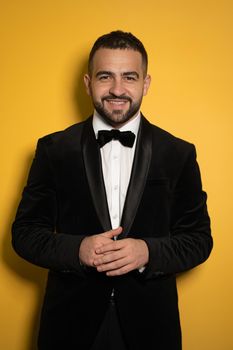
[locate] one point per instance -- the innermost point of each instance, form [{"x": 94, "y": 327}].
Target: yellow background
[{"x": 43, "y": 51}]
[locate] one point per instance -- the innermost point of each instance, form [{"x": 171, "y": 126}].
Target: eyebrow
[{"x": 105, "y": 72}]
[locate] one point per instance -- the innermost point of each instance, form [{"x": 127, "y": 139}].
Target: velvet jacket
[{"x": 65, "y": 200}]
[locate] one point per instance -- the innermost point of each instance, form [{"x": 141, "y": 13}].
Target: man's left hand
[{"x": 122, "y": 256}]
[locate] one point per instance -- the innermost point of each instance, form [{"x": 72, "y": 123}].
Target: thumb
[{"x": 110, "y": 234}]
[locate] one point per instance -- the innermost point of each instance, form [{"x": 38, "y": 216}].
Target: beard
[{"x": 117, "y": 117}]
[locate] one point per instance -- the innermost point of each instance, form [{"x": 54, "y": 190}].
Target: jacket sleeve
[
  {"x": 189, "y": 241},
  {"x": 34, "y": 234}
]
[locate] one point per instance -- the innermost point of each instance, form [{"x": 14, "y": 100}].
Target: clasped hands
[{"x": 113, "y": 257}]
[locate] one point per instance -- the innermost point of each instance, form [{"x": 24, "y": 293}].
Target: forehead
[{"x": 122, "y": 60}]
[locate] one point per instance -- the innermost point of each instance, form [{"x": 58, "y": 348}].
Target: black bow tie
[{"x": 126, "y": 138}]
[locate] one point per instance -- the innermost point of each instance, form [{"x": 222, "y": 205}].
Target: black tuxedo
[{"x": 65, "y": 200}]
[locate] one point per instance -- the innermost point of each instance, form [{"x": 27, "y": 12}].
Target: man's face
[{"x": 117, "y": 84}]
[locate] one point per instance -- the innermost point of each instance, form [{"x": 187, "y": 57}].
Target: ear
[
  {"x": 87, "y": 82},
  {"x": 147, "y": 81}
]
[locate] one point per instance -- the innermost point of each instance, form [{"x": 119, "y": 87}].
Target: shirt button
[
  {"x": 115, "y": 187},
  {"x": 115, "y": 216},
  {"x": 115, "y": 156}
]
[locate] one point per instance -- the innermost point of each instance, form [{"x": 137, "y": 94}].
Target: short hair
[{"x": 118, "y": 40}]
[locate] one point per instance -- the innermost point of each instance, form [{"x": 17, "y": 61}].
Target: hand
[
  {"x": 122, "y": 256},
  {"x": 87, "y": 250}
]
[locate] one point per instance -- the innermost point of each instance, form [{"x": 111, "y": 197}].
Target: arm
[
  {"x": 33, "y": 231},
  {"x": 189, "y": 242}
]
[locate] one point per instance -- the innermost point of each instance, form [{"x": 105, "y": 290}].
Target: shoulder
[
  {"x": 72, "y": 134},
  {"x": 164, "y": 140}
]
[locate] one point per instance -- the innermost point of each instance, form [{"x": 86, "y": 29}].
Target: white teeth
[{"x": 117, "y": 102}]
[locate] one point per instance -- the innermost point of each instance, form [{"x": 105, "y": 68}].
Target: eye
[
  {"x": 130, "y": 78},
  {"x": 104, "y": 77}
]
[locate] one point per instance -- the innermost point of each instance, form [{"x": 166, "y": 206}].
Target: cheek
[
  {"x": 137, "y": 91},
  {"x": 133, "y": 92},
  {"x": 98, "y": 91},
  {"x": 138, "y": 94}
]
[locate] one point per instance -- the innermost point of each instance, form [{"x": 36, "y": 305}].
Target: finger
[
  {"x": 108, "y": 257},
  {"x": 121, "y": 271},
  {"x": 109, "y": 247},
  {"x": 113, "y": 265},
  {"x": 110, "y": 234}
]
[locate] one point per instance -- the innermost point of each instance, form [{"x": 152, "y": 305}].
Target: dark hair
[{"x": 118, "y": 40}]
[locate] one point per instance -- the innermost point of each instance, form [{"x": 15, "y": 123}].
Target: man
[{"x": 114, "y": 208}]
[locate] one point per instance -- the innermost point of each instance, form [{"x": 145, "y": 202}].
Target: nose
[{"x": 117, "y": 87}]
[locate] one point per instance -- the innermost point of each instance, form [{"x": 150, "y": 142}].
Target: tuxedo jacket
[{"x": 65, "y": 200}]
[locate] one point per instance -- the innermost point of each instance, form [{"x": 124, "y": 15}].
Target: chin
[{"x": 117, "y": 119}]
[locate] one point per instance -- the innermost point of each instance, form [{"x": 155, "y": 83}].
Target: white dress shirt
[{"x": 117, "y": 161}]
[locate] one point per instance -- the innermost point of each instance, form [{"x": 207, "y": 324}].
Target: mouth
[{"x": 117, "y": 102}]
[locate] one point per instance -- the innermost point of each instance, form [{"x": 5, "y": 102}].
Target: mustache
[{"x": 114, "y": 97}]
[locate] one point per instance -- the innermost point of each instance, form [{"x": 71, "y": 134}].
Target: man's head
[
  {"x": 119, "y": 40},
  {"x": 117, "y": 76}
]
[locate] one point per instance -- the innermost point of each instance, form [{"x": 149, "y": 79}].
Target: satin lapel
[
  {"x": 138, "y": 178},
  {"x": 92, "y": 163}
]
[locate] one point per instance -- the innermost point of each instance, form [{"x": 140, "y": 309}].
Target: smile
[{"x": 117, "y": 102}]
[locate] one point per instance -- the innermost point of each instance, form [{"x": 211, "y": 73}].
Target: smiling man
[
  {"x": 117, "y": 81},
  {"x": 114, "y": 208}
]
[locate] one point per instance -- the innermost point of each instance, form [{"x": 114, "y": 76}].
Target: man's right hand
[{"x": 87, "y": 250}]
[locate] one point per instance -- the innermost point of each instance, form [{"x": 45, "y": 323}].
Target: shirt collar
[{"x": 100, "y": 124}]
